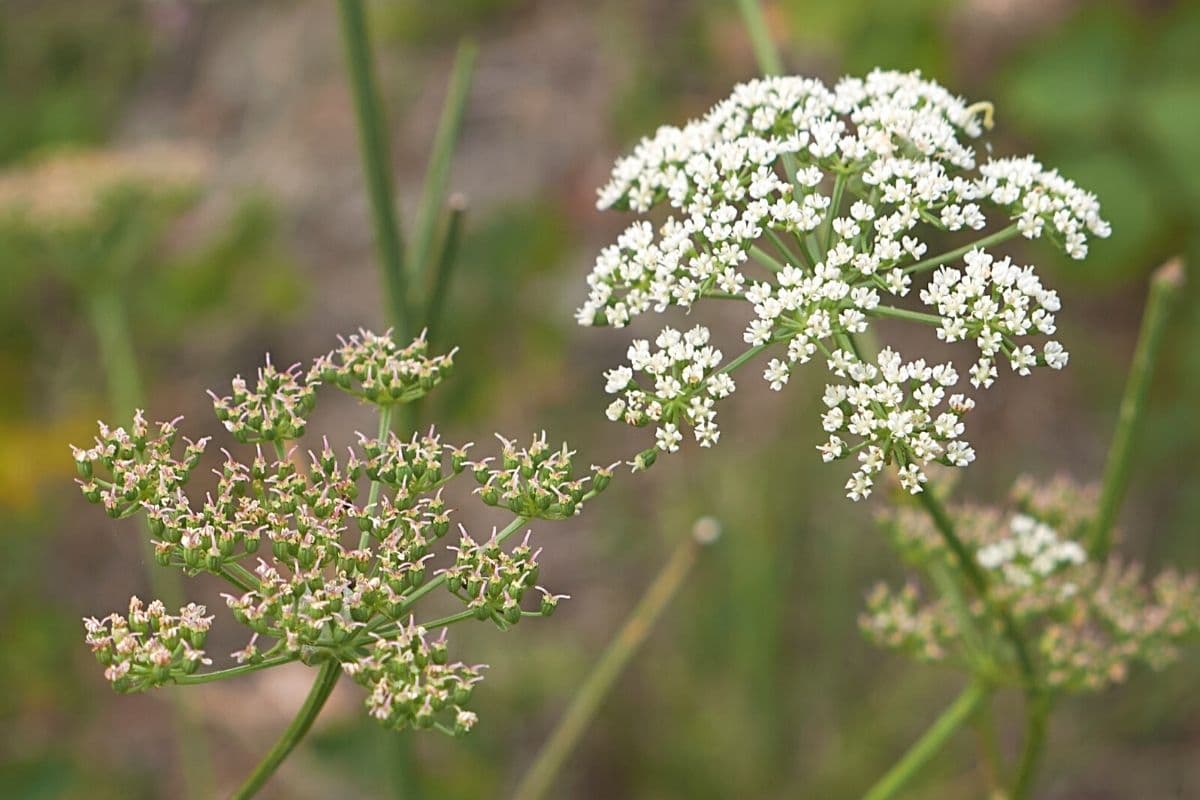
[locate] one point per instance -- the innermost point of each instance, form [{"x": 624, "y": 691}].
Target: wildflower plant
[
  {"x": 816, "y": 207},
  {"x": 818, "y": 210},
  {"x": 327, "y": 552}
]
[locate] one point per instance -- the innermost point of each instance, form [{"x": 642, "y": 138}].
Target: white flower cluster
[
  {"x": 892, "y": 408},
  {"x": 686, "y": 386},
  {"x": 813, "y": 204},
  {"x": 1034, "y": 551},
  {"x": 993, "y": 301}
]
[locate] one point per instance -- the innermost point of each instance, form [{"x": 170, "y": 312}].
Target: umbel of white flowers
[{"x": 816, "y": 207}]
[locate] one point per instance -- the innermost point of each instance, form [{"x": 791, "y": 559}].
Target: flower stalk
[
  {"x": 322, "y": 688},
  {"x": 1165, "y": 286},
  {"x": 554, "y": 752}
]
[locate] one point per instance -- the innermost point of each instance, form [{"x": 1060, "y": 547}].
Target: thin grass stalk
[
  {"x": 930, "y": 744},
  {"x": 444, "y": 266},
  {"x": 765, "y": 51},
  {"x": 437, "y": 174},
  {"x": 377, "y": 171},
  {"x": 554, "y": 753}
]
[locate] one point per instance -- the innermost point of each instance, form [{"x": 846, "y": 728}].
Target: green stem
[
  {"x": 1037, "y": 712},
  {"x": 385, "y": 425},
  {"x": 377, "y": 169},
  {"x": 928, "y": 746},
  {"x": 987, "y": 241},
  {"x": 835, "y": 204},
  {"x": 437, "y": 174},
  {"x": 428, "y": 587},
  {"x": 765, "y": 51},
  {"x": 978, "y": 580},
  {"x": 327, "y": 678},
  {"x": 904, "y": 313},
  {"x": 444, "y": 266},
  {"x": 233, "y": 672},
  {"x": 1164, "y": 286},
  {"x": 766, "y": 259},
  {"x": 549, "y": 761},
  {"x": 239, "y": 576},
  {"x": 744, "y": 357}
]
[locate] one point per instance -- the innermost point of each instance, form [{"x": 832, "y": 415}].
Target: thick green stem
[
  {"x": 554, "y": 752},
  {"x": 1164, "y": 286},
  {"x": 377, "y": 171},
  {"x": 327, "y": 678},
  {"x": 1037, "y": 713},
  {"x": 928, "y": 746}
]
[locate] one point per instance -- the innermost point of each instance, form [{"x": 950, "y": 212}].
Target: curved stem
[
  {"x": 921, "y": 753},
  {"x": 233, "y": 672},
  {"x": 327, "y": 678},
  {"x": 546, "y": 765},
  {"x": 1164, "y": 286}
]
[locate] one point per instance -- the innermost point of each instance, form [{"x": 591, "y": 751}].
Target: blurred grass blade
[
  {"x": 765, "y": 51},
  {"x": 456, "y": 209},
  {"x": 437, "y": 175},
  {"x": 550, "y": 759},
  {"x": 1164, "y": 286},
  {"x": 377, "y": 172}
]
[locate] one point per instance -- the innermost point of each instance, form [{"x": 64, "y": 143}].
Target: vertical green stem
[
  {"x": 124, "y": 380},
  {"x": 1164, "y": 286},
  {"x": 444, "y": 267},
  {"x": 928, "y": 746},
  {"x": 1037, "y": 713},
  {"x": 765, "y": 51},
  {"x": 550, "y": 759},
  {"x": 377, "y": 170},
  {"x": 437, "y": 174},
  {"x": 327, "y": 678},
  {"x": 385, "y": 425}
]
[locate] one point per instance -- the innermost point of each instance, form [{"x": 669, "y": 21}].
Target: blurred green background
[{"x": 242, "y": 227}]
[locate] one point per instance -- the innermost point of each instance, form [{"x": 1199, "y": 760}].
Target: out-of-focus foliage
[{"x": 65, "y": 68}]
